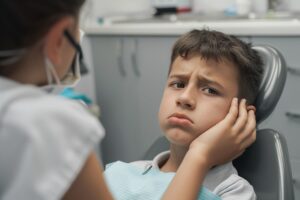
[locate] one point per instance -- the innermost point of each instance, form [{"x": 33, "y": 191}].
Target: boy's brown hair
[{"x": 217, "y": 46}]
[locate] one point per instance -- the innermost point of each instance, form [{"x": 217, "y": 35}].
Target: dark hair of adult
[
  {"x": 217, "y": 46},
  {"x": 24, "y": 22}
]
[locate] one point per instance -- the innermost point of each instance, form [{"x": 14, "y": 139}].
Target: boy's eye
[
  {"x": 211, "y": 91},
  {"x": 178, "y": 84}
]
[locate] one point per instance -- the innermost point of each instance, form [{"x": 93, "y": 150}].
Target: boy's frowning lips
[{"x": 180, "y": 118}]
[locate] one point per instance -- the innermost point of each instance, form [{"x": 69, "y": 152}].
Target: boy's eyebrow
[
  {"x": 202, "y": 79},
  {"x": 181, "y": 76}
]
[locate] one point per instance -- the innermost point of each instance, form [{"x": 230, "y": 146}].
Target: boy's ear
[{"x": 55, "y": 40}]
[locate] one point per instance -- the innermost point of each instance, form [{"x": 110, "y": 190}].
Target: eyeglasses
[{"x": 83, "y": 67}]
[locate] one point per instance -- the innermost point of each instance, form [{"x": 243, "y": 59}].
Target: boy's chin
[{"x": 180, "y": 138}]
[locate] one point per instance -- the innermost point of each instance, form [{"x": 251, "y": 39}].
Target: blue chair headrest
[{"x": 272, "y": 83}]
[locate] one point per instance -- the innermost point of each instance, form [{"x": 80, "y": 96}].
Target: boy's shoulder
[
  {"x": 225, "y": 182},
  {"x": 218, "y": 175},
  {"x": 235, "y": 186}
]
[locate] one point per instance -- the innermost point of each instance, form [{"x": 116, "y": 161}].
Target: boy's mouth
[{"x": 178, "y": 118}]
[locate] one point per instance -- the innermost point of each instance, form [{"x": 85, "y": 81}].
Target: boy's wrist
[{"x": 198, "y": 158}]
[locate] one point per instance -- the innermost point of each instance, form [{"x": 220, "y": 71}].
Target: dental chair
[{"x": 266, "y": 163}]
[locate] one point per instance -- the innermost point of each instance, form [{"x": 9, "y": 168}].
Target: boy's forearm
[{"x": 187, "y": 182}]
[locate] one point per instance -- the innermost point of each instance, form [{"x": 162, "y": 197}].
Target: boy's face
[{"x": 198, "y": 95}]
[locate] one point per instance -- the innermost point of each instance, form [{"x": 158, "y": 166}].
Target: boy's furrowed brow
[
  {"x": 206, "y": 80},
  {"x": 201, "y": 79},
  {"x": 180, "y": 76}
]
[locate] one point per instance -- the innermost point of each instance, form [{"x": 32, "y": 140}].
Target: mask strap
[
  {"x": 8, "y": 57},
  {"x": 50, "y": 72},
  {"x": 10, "y": 53}
]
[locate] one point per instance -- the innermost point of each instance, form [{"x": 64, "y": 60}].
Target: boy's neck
[{"x": 177, "y": 154}]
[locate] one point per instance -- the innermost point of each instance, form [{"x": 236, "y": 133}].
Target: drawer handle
[
  {"x": 293, "y": 115},
  {"x": 121, "y": 66},
  {"x": 134, "y": 65},
  {"x": 134, "y": 57},
  {"x": 293, "y": 70},
  {"x": 120, "y": 50}
]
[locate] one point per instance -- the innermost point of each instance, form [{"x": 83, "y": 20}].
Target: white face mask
[{"x": 72, "y": 77}]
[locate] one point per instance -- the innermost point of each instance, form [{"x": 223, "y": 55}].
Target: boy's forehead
[
  {"x": 222, "y": 71},
  {"x": 198, "y": 62}
]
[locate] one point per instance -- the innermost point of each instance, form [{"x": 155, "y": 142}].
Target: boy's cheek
[
  {"x": 162, "y": 112},
  {"x": 205, "y": 126},
  {"x": 211, "y": 119},
  {"x": 165, "y": 104}
]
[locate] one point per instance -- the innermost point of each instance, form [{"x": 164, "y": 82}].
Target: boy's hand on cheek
[{"x": 227, "y": 139}]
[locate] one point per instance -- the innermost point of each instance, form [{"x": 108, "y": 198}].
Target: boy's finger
[
  {"x": 233, "y": 112},
  {"x": 251, "y": 123},
  {"x": 251, "y": 107},
  {"x": 249, "y": 140},
  {"x": 242, "y": 118},
  {"x": 249, "y": 128},
  {"x": 239, "y": 154}
]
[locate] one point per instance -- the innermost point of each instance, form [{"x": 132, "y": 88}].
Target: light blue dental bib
[{"x": 129, "y": 182}]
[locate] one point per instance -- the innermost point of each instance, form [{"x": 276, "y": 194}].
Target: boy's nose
[{"x": 186, "y": 100}]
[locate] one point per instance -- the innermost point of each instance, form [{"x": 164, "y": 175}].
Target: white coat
[{"x": 44, "y": 142}]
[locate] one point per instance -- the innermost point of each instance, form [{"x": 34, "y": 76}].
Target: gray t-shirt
[{"x": 222, "y": 180}]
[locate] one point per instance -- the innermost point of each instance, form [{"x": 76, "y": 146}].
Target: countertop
[{"x": 247, "y": 27}]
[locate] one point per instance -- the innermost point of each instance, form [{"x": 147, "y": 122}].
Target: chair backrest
[
  {"x": 272, "y": 83},
  {"x": 266, "y": 163},
  {"x": 266, "y": 166},
  {"x": 160, "y": 144}
]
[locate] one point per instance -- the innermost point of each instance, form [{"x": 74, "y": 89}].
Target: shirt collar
[{"x": 157, "y": 161}]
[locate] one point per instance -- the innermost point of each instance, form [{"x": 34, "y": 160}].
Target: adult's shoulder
[
  {"x": 38, "y": 112},
  {"x": 39, "y": 104},
  {"x": 39, "y": 107}
]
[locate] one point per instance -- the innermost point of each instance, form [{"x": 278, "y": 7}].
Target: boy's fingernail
[
  {"x": 254, "y": 110},
  {"x": 251, "y": 107}
]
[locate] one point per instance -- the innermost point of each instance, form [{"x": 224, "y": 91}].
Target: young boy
[{"x": 208, "y": 69}]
